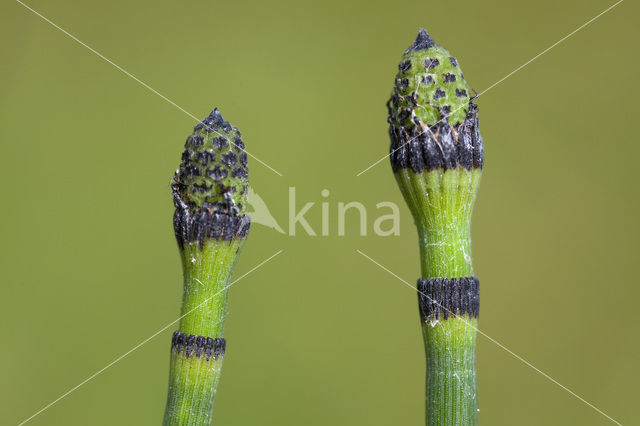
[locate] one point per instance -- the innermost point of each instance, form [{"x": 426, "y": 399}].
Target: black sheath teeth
[
  {"x": 199, "y": 345},
  {"x": 440, "y": 146},
  {"x": 202, "y": 225},
  {"x": 192, "y": 345},
  {"x": 440, "y": 298}
]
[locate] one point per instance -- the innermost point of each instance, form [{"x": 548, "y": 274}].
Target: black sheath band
[
  {"x": 444, "y": 297},
  {"x": 191, "y": 344},
  {"x": 438, "y": 147},
  {"x": 202, "y": 225}
]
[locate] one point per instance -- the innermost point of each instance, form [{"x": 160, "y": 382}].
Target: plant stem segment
[
  {"x": 437, "y": 157},
  {"x": 441, "y": 202},
  {"x": 206, "y": 285},
  {"x": 195, "y": 367},
  {"x": 451, "y": 377},
  {"x": 210, "y": 192}
]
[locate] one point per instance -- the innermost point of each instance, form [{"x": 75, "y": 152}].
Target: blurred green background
[{"x": 319, "y": 335}]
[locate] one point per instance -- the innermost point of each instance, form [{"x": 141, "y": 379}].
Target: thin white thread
[
  {"x": 527, "y": 363},
  {"x": 502, "y": 79},
  {"x": 127, "y": 73},
  {"x": 549, "y": 48},
  {"x": 143, "y": 342}
]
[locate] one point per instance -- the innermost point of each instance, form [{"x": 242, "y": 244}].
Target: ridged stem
[
  {"x": 193, "y": 377},
  {"x": 206, "y": 279},
  {"x": 441, "y": 203},
  {"x": 451, "y": 389},
  {"x": 192, "y": 388}
]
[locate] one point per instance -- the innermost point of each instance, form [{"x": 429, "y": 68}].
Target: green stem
[
  {"x": 444, "y": 228},
  {"x": 451, "y": 397},
  {"x": 441, "y": 203},
  {"x": 192, "y": 388},
  {"x": 193, "y": 378},
  {"x": 206, "y": 285}
]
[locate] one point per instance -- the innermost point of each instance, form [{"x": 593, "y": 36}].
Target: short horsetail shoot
[
  {"x": 437, "y": 156},
  {"x": 211, "y": 224}
]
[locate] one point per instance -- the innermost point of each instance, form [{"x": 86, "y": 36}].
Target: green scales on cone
[{"x": 211, "y": 187}]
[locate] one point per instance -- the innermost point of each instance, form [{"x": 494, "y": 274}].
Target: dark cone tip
[
  {"x": 423, "y": 41},
  {"x": 214, "y": 121}
]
